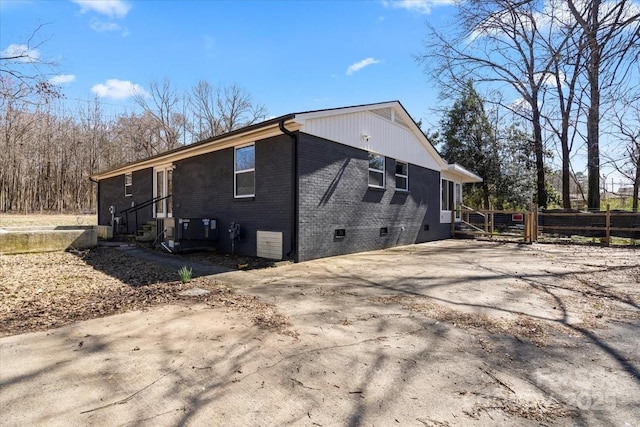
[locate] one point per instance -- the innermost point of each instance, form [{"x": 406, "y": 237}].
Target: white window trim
[
  {"x": 444, "y": 204},
  {"x": 383, "y": 171},
  {"x": 406, "y": 177},
  {"x": 236, "y": 172},
  {"x": 163, "y": 168},
  {"x": 445, "y": 211},
  {"x": 128, "y": 192}
]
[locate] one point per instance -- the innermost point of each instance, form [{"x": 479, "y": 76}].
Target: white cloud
[
  {"x": 420, "y": 6},
  {"x": 360, "y": 65},
  {"x": 101, "y": 26},
  {"x": 549, "y": 79},
  {"x": 62, "y": 79},
  {"x": 118, "y": 89},
  {"x": 111, "y": 8},
  {"x": 519, "y": 105},
  {"x": 20, "y": 53}
]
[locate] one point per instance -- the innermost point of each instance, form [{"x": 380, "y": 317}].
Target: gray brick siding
[
  {"x": 112, "y": 193},
  {"x": 334, "y": 194},
  {"x": 203, "y": 188}
]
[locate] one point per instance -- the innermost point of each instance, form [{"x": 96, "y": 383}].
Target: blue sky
[{"x": 290, "y": 55}]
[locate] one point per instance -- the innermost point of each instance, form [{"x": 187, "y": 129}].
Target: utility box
[{"x": 192, "y": 234}]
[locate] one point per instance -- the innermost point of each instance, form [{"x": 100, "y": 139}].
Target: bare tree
[
  {"x": 626, "y": 133},
  {"x": 499, "y": 43},
  {"x": 162, "y": 105},
  {"x": 220, "y": 110},
  {"x": 23, "y": 72},
  {"x": 612, "y": 33}
]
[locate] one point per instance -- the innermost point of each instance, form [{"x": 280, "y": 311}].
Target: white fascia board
[
  {"x": 343, "y": 110},
  {"x": 398, "y": 109},
  {"x": 198, "y": 149},
  {"x": 458, "y": 173}
]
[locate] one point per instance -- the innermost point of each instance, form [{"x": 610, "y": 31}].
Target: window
[
  {"x": 402, "y": 176},
  {"x": 339, "y": 233},
  {"x": 245, "y": 172},
  {"x": 162, "y": 191},
  {"x": 128, "y": 183},
  {"x": 458, "y": 200},
  {"x": 376, "y": 170},
  {"x": 384, "y": 231},
  {"x": 451, "y": 195},
  {"x": 444, "y": 200}
]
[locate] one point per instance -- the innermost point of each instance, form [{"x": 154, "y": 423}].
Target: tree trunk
[
  {"x": 541, "y": 189},
  {"x": 636, "y": 184}
]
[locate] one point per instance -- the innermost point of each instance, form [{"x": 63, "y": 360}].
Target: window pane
[
  {"x": 376, "y": 162},
  {"x": 245, "y": 184},
  {"x": 401, "y": 168},
  {"x": 401, "y": 183},
  {"x": 444, "y": 203},
  {"x": 451, "y": 195},
  {"x": 128, "y": 179},
  {"x": 160, "y": 191},
  {"x": 376, "y": 179},
  {"x": 245, "y": 158}
]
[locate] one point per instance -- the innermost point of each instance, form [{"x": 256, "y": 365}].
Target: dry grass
[
  {"x": 43, "y": 291},
  {"x": 18, "y": 220}
]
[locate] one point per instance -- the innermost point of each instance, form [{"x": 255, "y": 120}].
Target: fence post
[
  {"x": 535, "y": 222},
  {"x": 453, "y": 221},
  {"x": 607, "y": 239}
]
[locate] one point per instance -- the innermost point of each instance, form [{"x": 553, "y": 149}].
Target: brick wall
[
  {"x": 334, "y": 194},
  {"x": 203, "y": 188},
  {"x": 112, "y": 193}
]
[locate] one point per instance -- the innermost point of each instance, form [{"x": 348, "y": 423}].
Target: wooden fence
[{"x": 530, "y": 226}]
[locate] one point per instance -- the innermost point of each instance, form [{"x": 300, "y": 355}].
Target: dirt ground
[{"x": 437, "y": 334}]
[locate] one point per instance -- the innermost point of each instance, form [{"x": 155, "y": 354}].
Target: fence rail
[{"x": 529, "y": 226}]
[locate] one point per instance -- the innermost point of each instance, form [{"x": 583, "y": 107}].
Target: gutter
[{"x": 294, "y": 188}]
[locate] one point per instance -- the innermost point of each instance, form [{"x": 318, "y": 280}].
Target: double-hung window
[
  {"x": 402, "y": 176},
  {"x": 128, "y": 184},
  {"x": 245, "y": 171},
  {"x": 376, "y": 170}
]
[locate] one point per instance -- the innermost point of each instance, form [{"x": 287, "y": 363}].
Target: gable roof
[{"x": 385, "y": 128}]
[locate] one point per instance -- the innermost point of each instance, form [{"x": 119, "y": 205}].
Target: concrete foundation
[{"x": 17, "y": 240}]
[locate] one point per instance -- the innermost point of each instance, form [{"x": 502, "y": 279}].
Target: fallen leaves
[{"x": 48, "y": 290}]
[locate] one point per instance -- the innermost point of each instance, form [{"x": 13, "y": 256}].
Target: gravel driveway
[{"x": 443, "y": 333}]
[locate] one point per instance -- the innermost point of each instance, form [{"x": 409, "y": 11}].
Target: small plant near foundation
[{"x": 185, "y": 274}]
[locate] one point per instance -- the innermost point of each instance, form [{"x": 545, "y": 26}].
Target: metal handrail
[
  {"x": 144, "y": 204},
  {"x": 136, "y": 208}
]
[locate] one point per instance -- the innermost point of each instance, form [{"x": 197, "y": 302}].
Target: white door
[{"x": 163, "y": 191}]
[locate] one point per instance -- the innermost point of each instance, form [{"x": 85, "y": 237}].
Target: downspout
[
  {"x": 294, "y": 188},
  {"x": 97, "y": 196}
]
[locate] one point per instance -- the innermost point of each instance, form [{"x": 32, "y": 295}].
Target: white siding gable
[{"x": 369, "y": 130}]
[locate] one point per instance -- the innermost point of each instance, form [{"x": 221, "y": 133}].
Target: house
[{"x": 300, "y": 186}]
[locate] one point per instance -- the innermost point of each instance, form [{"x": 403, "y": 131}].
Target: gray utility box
[{"x": 195, "y": 234}]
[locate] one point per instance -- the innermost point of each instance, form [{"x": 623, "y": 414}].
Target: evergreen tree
[{"x": 469, "y": 139}]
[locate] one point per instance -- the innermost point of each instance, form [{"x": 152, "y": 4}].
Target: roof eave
[
  {"x": 200, "y": 146},
  {"x": 466, "y": 176}
]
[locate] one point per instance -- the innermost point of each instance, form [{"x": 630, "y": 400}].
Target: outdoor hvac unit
[{"x": 195, "y": 234}]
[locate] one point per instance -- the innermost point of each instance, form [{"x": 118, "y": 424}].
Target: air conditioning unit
[{"x": 192, "y": 234}]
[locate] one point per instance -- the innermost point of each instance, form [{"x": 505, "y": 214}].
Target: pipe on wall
[{"x": 294, "y": 188}]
